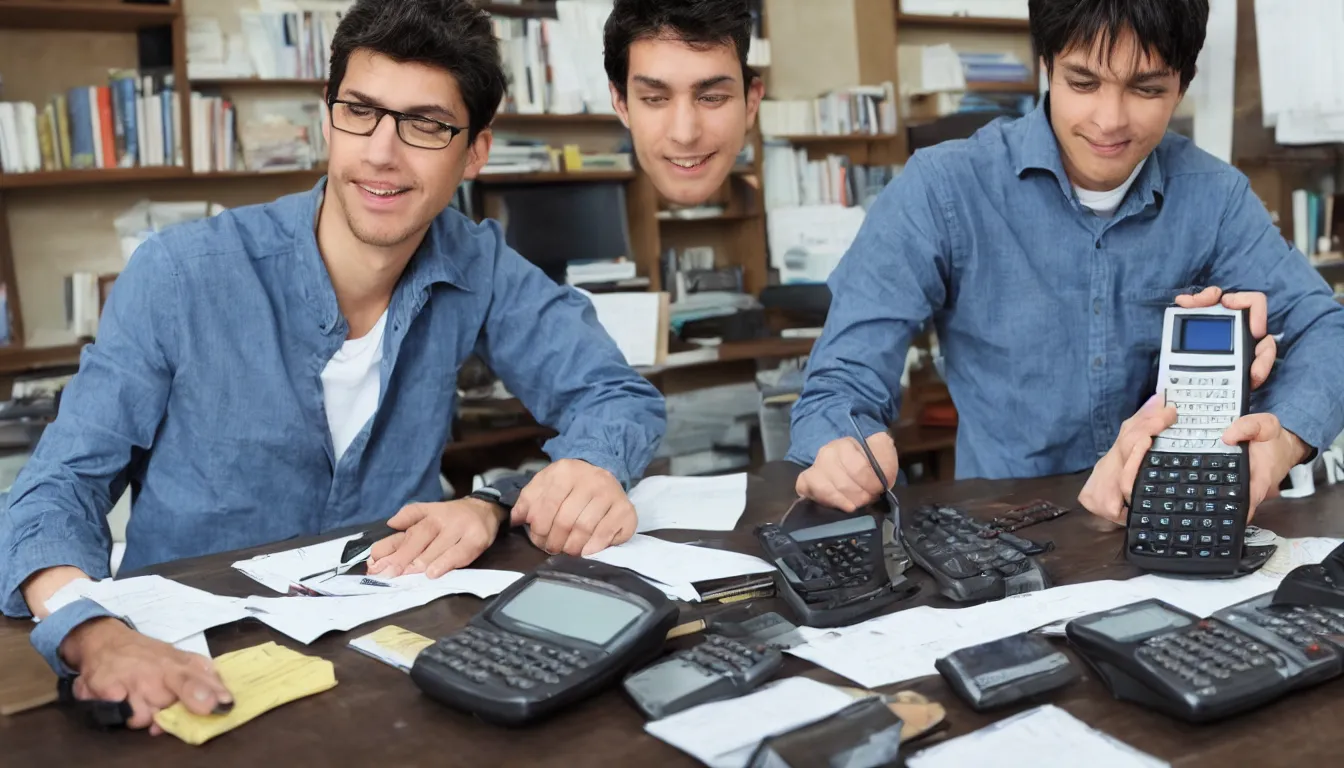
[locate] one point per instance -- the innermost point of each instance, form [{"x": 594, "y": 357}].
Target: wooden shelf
[
  {"x": 473, "y": 441},
  {"x": 90, "y": 16},
  {"x": 821, "y": 138},
  {"x": 318, "y": 171},
  {"x": 554, "y": 177},
  {"x": 255, "y": 82},
  {"x": 584, "y": 118},
  {"x": 90, "y": 176},
  {"x": 20, "y": 359},
  {"x": 525, "y": 9},
  {"x": 989, "y": 86},
  {"x": 962, "y": 22}
]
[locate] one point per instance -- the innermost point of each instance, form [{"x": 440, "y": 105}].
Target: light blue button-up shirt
[
  {"x": 1048, "y": 316},
  {"x": 204, "y": 393}
]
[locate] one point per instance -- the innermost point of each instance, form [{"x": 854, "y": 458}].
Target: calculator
[
  {"x": 832, "y": 574},
  {"x": 1197, "y": 670},
  {"x": 554, "y": 637},
  {"x": 1313, "y": 631},
  {"x": 1188, "y": 507},
  {"x": 717, "y": 668},
  {"x": 971, "y": 560}
]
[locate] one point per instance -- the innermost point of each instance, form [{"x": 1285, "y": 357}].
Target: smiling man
[
  {"x": 679, "y": 80},
  {"x": 290, "y": 368},
  {"x": 1045, "y": 250}
]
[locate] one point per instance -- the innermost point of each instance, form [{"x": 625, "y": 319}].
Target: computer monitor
[{"x": 554, "y": 224}]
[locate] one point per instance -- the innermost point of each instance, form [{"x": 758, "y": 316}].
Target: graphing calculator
[
  {"x": 1198, "y": 670},
  {"x": 554, "y": 637},
  {"x": 1187, "y": 511}
]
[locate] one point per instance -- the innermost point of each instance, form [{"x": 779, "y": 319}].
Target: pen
[{"x": 872, "y": 462}]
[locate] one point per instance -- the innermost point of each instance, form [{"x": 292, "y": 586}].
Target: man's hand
[
  {"x": 1267, "y": 349},
  {"x": 1273, "y": 451},
  {"x": 574, "y": 507},
  {"x": 842, "y": 478},
  {"x": 436, "y": 538},
  {"x": 1107, "y": 491},
  {"x": 117, "y": 663}
]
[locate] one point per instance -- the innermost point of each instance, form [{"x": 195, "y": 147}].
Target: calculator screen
[
  {"x": 570, "y": 611},
  {"x": 1130, "y": 625},
  {"x": 1206, "y": 334}
]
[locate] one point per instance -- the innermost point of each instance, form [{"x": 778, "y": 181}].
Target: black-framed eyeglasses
[{"x": 416, "y": 130}]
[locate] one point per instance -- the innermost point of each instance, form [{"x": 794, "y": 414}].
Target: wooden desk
[{"x": 376, "y": 716}]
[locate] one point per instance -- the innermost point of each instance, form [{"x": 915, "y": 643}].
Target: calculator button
[
  {"x": 1181, "y": 552},
  {"x": 1186, "y": 523},
  {"x": 1232, "y": 463},
  {"x": 1154, "y": 460},
  {"x": 1205, "y": 539},
  {"x": 1230, "y": 492},
  {"x": 1213, "y": 477},
  {"x": 1189, "y": 506},
  {"x": 1189, "y": 491},
  {"x": 1210, "y": 491},
  {"x": 1168, "y": 505},
  {"x": 1152, "y": 475},
  {"x": 1162, "y": 537},
  {"x": 1231, "y": 477},
  {"x": 1171, "y": 476},
  {"x": 1214, "y": 462},
  {"x": 1203, "y": 553},
  {"x": 1169, "y": 490},
  {"x": 1146, "y": 521},
  {"x": 1185, "y": 538},
  {"x": 1206, "y": 523},
  {"x": 1163, "y": 521}
]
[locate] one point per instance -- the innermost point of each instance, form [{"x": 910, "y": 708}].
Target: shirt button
[
  {"x": 1096, "y": 306},
  {"x": 1096, "y": 362},
  {"x": 1098, "y": 245}
]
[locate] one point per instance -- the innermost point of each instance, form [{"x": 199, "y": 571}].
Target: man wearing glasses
[{"x": 290, "y": 368}]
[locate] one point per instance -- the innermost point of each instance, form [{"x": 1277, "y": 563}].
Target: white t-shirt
[
  {"x": 351, "y": 385},
  {"x": 1105, "y": 204}
]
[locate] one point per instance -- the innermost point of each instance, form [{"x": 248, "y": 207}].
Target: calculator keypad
[
  {"x": 1300, "y": 625},
  {"x": 489, "y": 657},
  {"x": 849, "y": 561},
  {"x": 962, "y": 547},
  {"x": 1206, "y": 405},
  {"x": 1188, "y": 506},
  {"x": 1208, "y": 655},
  {"x": 719, "y": 654}
]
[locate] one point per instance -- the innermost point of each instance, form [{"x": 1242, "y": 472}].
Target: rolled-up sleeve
[
  {"x": 888, "y": 284},
  {"x": 1306, "y": 388},
  {"x": 56, "y": 512},
  {"x": 544, "y": 342}
]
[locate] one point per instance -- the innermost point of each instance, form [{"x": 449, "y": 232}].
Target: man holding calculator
[{"x": 1045, "y": 251}]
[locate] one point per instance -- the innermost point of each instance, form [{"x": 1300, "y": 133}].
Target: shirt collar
[
  {"x": 1038, "y": 149},
  {"x": 431, "y": 264}
]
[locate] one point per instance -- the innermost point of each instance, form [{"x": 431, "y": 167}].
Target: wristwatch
[{"x": 504, "y": 492}]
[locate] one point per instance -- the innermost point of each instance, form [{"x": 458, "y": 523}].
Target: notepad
[
  {"x": 260, "y": 678},
  {"x": 392, "y": 645}
]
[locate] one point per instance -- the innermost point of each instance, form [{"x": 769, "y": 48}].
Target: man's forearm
[{"x": 40, "y": 587}]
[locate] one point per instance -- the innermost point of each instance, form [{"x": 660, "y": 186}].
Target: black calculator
[
  {"x": 832, "y": 574},
  {"x": 554, "y": 637},
  {"x": 971, "y": 560},
  {"x": 717, "y": 668},
  {"x": 1312, "y": 631},
  {"x": 1188, "y": 507},
  {"x": 1197, "y": 670}
]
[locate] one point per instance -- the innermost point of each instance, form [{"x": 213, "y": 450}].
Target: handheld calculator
[
  {"x": 717, "y": 668},
  {"x": 554, "y": 637},
  {"x": 1188, "y": 507},
  {"x": 1197, "y": 670}
]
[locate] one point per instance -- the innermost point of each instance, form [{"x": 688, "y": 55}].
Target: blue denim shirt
[
  {"x": 203, "y": 392},
  {"x": 1048, "y": 316}
]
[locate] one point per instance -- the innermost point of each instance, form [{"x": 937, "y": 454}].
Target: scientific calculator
[{"x": 715, "y": 669}]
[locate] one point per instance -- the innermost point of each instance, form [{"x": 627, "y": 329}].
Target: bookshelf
[
  {"x": 86, "y": 16},
  {"x": 960, "y": 22},
  {"x": 83, "y": 177}
]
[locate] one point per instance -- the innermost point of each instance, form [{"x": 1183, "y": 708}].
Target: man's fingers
[
  {"x": 415, "y": 541},
  {"x": 1258, "y": 305},
  {"x": 142, "y": 712},
  {"x": 565, "y": 519},
  {"x": 1130, "y": 472},
  {"x": 460, "y": 555},
  {"x": 408, "y": 515},
  {"x": 585, "y": 525},
  {"x": 856, "y": 466},
  {"x": 1265, "y": 353},
  {"x": 1253, "y": 428},
  {"x": 447, "y": 539},
  {"x": 385, "y": 547},
  {"x": 604, "y": 535},
  {"x": 824, "y": 492},
  {"x": 1205, "y": 298}
]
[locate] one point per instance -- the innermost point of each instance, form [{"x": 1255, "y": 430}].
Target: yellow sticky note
[
  {"x": 573, "y": 158},
  {"x": 260, "y": 678},
  {"x": 392, "y": 645}
]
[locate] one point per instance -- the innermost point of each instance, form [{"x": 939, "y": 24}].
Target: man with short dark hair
[
  {"x": 1045, "y": 250},
  {"x": 290, "y": 368},
  {"x": 680, "y": 82}
]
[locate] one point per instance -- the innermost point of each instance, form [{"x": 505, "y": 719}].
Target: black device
[
  {"x": 865, "y": 734},
  {"x": 1028, "y": 514},
  {"x": 554, "y": 637},
  {"x": 831, "y": 574},
  {"x": 1006, "y": 670},
  {"x": 1319, "y": 585},
  {"x": 1307, "y": 629},
  {"x": 355, "y": 553},
  {"x": 717, "y": 668},
  {"x": 1197, "y": 670},
  {"x": 554, "y": 224},
  {"x": 100, "y": 714},
  {"x": 971, "y": 560},
  {"x": 1188, "y": 508}
]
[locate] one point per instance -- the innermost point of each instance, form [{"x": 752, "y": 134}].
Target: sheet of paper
[
  {"x": 723, "y": 734},
  {"x": 1044, "y": 737},
  {"x": 633, "y": 321},
  {"x": 306, "y": 618},
  {"x": 690, "y": 503},
  {"x": 194, "y": 644},
  {"x": 160, "y": 608},
  {"x": 679, "y": 564},
  {"x": 941, "y": 69},
  {"x": 392, "y": 645},
  {"x": 481, "y": 582},
  {"x": 280, "y": 570},
  {"x": 260, "y": 678}
]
